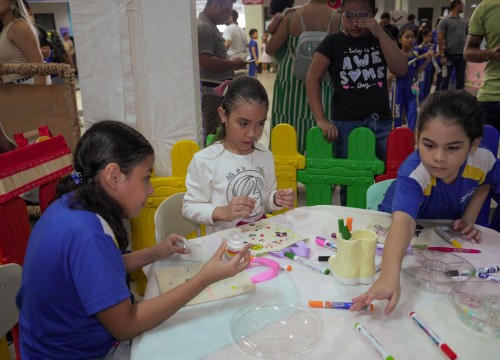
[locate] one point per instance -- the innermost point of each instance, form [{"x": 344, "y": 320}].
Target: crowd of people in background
[{"x": 23, "y": 40}]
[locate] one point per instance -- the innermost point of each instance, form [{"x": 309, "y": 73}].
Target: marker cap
[
  {"x": 320, "y": 241},
  {"x": 315, "y": 304},
  {"x": 456, "y": 244},
  {"x": 446, "y": 349},
  {"x": 289, "y": 255}
]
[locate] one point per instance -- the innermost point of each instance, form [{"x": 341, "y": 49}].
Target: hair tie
[{"x": 77, "y": 177}]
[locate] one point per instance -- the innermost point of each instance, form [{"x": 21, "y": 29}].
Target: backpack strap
[
  {"x": 302, "y": 24},
  {"x": 334, "y": 22}
]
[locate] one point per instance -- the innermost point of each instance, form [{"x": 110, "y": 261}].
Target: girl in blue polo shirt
[
  {"x": 74, "y": 301},
  {"x": 448, "y": 177}
]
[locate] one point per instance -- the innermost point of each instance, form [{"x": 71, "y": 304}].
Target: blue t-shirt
[
  {"x": 422, "y": 196},
  {"x": 73, "y": 269},
  {"x": 253, "y": 44}
]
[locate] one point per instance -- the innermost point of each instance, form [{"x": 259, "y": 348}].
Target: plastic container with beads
[{"x": 234, "y": 244}]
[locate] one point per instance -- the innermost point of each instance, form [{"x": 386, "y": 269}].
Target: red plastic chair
[{"x": 400, "y": 144}]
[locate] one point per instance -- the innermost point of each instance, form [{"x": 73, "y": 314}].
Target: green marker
[
  {"x": 307, "y": 263},
  {"x": 373, "y": 342},
  {"x": 341, "y": 225},
  {"x": 347, "y": 233}
]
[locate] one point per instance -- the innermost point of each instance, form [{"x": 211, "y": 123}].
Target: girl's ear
[
  {"x": 474, "y": 145},
  {"x": 222, "y": 114},
  {"x": 111, "y": 175}
]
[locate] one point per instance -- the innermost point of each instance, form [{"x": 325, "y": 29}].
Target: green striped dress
[{"x": 289, "y": 98}]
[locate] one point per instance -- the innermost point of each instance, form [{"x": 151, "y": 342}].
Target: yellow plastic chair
[
  {"x": 169, "y": 219},
  {"x": 142, "y": 228},
  {"x": 287, "y": 160},
  {"x": 376, "y": 193},
  {"x": 10, "y": 282}
]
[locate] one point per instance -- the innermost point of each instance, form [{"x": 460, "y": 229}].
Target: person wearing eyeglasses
[{"x": 357, "y": 59}]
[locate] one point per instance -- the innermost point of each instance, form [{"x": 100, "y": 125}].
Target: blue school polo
[
  {"x": 73, "y": 269},
  {"x": 420, "y": 195}
]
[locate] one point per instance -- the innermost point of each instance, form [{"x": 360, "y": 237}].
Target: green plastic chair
[
  {"x": 323, "y": 170},
  {"x": 376, "y": 193}
]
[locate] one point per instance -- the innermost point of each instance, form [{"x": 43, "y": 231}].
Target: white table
[{"x": 203, "y": 331}]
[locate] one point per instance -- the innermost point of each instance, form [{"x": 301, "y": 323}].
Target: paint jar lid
[
  {"x": 275, "y": 331},
  {"x": 477, "y": 305},
  {"x": 428, "y": 270}
]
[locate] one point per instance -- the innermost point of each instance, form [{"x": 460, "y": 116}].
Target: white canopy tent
[{"x": 138, "y": 63}]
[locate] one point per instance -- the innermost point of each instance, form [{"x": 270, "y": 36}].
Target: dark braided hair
[{"x": 103, "y": 143}]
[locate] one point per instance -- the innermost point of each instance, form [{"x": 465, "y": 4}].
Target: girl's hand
[
  {"x": 367, "y": 23},
  {"x": 218, "y": 268},
  {"x": 168, "y": 246},
  {"x": 466, "y": 227},
  {"x": 285, "y": 197},
  {"x": 239, "y": 207},
  {"x": 330, "y": 131},
  {"x": 382, "y": 289}
]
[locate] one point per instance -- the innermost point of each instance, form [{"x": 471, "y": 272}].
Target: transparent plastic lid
[
  {"x": 429, "y": 270},
  {"x": 275, "y": 331},
  {"x": 477, "y": 305}
]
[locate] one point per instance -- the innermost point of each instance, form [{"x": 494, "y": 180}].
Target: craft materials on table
[
  {"x": 172, "y": 276},
  {"x": 488, "y": 277},
  {"x": 427, "y": 270},
  {"x": 488, "y": 270},
  {"x": 234, "y": 244},
  {"x": 265, "y": 236},
  {"x": 344, "y": 230},
  {"x": 380, "y": 249},
  {"x": 336, "y": 305},
  {"x": 433, "y": 336},
  {"x": 444, "y": 232},
  {"x": 307, "y": 263},
  {"x": 326, "y": 243},
  {"x": 373, "y": 342},
  {"x": 446, "y": 249}
]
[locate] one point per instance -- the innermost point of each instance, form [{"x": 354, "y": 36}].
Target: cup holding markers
[{"x": 355, "y": 259}]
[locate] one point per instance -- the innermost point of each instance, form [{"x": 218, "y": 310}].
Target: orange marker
[
  {"x": 336, "y": 305},
  {"x": 349, "y": 223}
]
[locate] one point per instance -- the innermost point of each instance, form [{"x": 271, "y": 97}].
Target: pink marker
[{"x": 326, "y": 243}]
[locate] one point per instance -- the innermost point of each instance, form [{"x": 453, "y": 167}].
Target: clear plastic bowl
[
  {"x": 275, "y": 331},
  {"x": 427, "y": 270},
  {"x": 477, "y": 304}
]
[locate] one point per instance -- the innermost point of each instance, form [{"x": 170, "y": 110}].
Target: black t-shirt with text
[{"x": 359, "y": 75}]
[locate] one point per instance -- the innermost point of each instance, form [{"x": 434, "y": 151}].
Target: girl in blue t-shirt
[
  {"x": 427, "y": 75},
  {"x": 74, "y": 301},
  {"x": 405, "y": 89},
  {"x": 448, "y": 177}
]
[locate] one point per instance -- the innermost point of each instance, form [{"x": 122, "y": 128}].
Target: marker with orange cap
[
  {"x": 336, "y": 305},
  {"x": 349, "y": 223}
]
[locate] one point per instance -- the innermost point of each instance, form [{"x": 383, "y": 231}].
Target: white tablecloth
[{"x": 203, "y": 331}]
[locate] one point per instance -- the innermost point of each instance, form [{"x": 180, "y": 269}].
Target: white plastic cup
[{"x": 234, "y": 244}]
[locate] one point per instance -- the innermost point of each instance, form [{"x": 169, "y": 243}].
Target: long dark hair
[{"x": 103, "y": 143}]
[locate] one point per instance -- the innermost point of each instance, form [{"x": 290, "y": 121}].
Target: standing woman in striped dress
[{"x": 289, "y": 98}]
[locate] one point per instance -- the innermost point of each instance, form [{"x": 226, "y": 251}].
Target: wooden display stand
[{"x": 26, "y": 107}]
